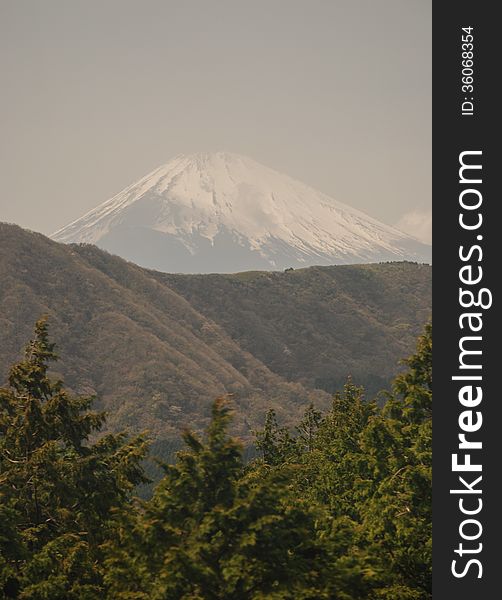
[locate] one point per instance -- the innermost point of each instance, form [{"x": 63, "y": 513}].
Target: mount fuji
[{"x": 221, "y": 212}]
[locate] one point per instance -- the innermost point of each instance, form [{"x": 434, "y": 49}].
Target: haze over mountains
[
  {"x": 157, "y": 348},
  {"x": 221, "y": 212}
]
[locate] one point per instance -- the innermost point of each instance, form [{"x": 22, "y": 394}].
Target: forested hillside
[
  {"x": 319, "y": 324},
  {"x": 153, "y": 361},
  {"x": 157, "y": 349}
]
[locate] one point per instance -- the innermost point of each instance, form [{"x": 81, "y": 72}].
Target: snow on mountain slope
[{"x": 223, "y": 212}]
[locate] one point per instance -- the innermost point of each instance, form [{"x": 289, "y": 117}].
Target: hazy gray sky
[{"x": 96, "y": 93}]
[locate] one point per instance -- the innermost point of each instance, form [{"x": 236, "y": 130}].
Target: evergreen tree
[
  {"x": 275, "y": 444},
  {"x": 214, "y": 531},
  {"x": 398, "y": 517},
  {"x": 338, "y": 509},
  {"x": 368, "y": 471},
  {"x": 57, "y": 489}
]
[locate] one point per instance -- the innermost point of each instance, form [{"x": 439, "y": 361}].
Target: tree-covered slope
[
  {"x": 153, "y": 361},
  {"x": 319, "y": 324},
  {"x": 157, "y": 349}
]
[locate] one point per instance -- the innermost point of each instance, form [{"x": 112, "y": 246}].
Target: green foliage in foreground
[
  {"x": 339, "y": 509},
  {"x": 57, "y": 491}
]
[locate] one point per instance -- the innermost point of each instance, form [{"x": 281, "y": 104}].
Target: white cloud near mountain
[{"x": 418, "y": 224}]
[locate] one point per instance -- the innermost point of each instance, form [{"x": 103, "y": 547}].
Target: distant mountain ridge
[
  {"x": 153, "y": 361},
  {"x": 158, "y": 348},
  {"x": 222, "y": 212}
]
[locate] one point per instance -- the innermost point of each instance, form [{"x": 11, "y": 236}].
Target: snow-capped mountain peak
[{"x": 226, "y": 212}]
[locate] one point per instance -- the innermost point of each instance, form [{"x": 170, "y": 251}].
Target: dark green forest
[
  {"x": 315, "y": 325},
  {"x": 337, "y": 507}
]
